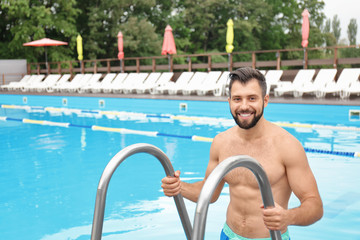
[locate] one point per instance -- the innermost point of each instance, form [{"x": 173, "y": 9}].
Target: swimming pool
[{"x": 49, "y": 172}]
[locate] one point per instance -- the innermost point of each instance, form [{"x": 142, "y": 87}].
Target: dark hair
[{"x": 244, "y": 75}]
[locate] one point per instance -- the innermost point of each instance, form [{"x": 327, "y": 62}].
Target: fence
[{"x": 286, "y": 59}]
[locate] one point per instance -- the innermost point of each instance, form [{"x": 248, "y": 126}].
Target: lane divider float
[
  {"x": 224, "y": 121},
  {"x": 152, "y": 133}
]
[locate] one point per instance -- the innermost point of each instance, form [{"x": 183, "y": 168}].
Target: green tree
[
  {"x": 198, "y": 26},
  {"x": 28, "y": 20},
  {"x": 327, "y": 27},
  {"x": 352, "y": 31},
  {"x": 329, "y": 38},
  {"x": 336, "y": 29}
]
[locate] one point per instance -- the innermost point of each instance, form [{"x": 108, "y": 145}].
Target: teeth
[{"x": 245, "y": 114}]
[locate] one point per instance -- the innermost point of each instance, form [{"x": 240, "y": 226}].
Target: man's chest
[{"x": 265, "y": 154}]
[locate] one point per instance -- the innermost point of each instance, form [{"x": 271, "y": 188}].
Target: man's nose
[{"x": 244, "y": 105}]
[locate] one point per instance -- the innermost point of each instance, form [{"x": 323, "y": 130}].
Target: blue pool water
[{"x": 49, "y": 174}]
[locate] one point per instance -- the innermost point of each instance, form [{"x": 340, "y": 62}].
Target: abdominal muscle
[{"x": 244, "y": 215}]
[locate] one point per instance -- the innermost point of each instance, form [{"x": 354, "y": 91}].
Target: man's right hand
[{"x": 171, "y": 185}]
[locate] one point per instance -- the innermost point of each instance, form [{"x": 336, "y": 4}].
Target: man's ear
[{"x": 266, "y": 100}]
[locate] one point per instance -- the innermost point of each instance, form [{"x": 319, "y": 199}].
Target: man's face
[{"x": 246, "y": 103}]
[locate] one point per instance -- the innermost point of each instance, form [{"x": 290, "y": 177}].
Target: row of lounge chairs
[
  {"x": 306, "y": 81},
  {"x": 199, "y": 83}
]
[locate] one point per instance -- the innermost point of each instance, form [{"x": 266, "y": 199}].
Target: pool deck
[{"x": 328, "y": 100}]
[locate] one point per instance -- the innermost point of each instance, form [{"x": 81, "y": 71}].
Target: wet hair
[{"x": 244, "y": 75}]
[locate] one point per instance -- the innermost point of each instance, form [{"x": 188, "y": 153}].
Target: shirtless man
[{"x": 281, "y": 155}]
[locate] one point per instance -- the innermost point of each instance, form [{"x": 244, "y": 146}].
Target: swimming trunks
[{"x": 228, "y": 234}]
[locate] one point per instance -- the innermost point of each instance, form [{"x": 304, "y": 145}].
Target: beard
[{"x": 252, "y": 123}]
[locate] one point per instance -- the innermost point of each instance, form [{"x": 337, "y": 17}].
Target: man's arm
[
  {"x": 172, "y": 185},
  {"x": 303, "y": 184}
]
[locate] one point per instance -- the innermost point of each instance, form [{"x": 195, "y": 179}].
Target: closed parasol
[
  {"x": 79, "y": 47},
  {"x": 229, "y": 39},
  {"x": 168, "y": 44},
  {"x": 121, "y": 49},
  {"x": 305, "y": 29}
]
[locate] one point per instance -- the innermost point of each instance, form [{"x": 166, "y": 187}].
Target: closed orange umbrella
[
  {"x": 121, "y": 49},
  {"x": 44, "y": 42},
  {"x": 168, "y": 44},
  {"x": 305, "y": 28}
]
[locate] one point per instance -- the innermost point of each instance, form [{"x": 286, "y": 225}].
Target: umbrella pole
[
  {"x": 229, "y": 61},
  {"x": 46, "y": 62},
  {"x": 169, "y": 62},
  {"x": 304, "y": 60},
  {"x": 121, "y": 66}
]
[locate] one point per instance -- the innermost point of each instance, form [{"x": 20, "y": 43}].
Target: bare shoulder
[
  {"x": 286, "y": 144},
  {"x": 224, "y": 134},
  {"x": 222, "y": 141}
]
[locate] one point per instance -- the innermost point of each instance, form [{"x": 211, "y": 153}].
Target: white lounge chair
[
  {"x": 302, "y": 77},
  {"x": 354, "y": 88},
  {"x": 323, "y": 77},
  {"x": 96, "y": 87},
  {"x": 60, "y": 87},
  {"x": 34, "y": 79},
  {"x": 11, "y": 84},
  {"x": 74, "y": 85},
  {"x": 127, "y": 82},
  {"x": 52, "y": 82},
  {"x": 345, "y": 80},
  {"x": 94, "y": 79},
  {"x": 173, "y": 87},
  {"x": 221, "y": 86},
  {"x": 272, "y": 78},
  {"x": 209, "y": 83},
  {"x": 62, "y": 81},
  {"x": 148, "y": 83},
  {"x": 50, "y": 79},
  {"x": 119, "y": 79},
  {"x": 164, "y": 79},
  {"x": 196, "y": 81},
  {"x": 132, "y": 85}
]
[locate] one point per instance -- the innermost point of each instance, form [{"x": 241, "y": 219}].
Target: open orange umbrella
[
  {"x": 44, "y": 42},
  {"x": 121, "y": 49},
  {"x": 168, "y": 44}
]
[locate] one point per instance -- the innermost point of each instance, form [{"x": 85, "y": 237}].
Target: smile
[{"x": 244, "y": 115}]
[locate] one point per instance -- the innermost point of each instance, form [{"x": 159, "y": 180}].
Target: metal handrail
[
  {"x": 98, "y": 220},
  {"x": 214, "y": 179}
]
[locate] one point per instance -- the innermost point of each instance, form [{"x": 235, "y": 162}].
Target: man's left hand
[{"x": 275, "y": 218}]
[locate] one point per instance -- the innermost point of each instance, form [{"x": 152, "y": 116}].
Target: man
[{"x": 281, "y": 155}]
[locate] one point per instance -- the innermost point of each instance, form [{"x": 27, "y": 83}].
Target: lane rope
[
  {"x": 134, "y": 115},
  {"x": 152, "y": 133}
]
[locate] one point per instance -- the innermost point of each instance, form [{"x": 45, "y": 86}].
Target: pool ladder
[{"x": 196, "y": 233}]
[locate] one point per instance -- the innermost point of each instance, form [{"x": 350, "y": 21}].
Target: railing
[
  {"x": 197, "y": 233},
  {"x": 330, "y": 57},
  {"x": 110, "y": 169},
  {"x": 214, "y": 179},
  {"x": 6, "y": 77}
]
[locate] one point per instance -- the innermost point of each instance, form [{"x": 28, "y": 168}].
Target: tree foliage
[
  {"x": 352, "y": 31},
  {"x": 198, "y": 26},
  {"x": 28, "y": 20},
  {"x": 336, "y": 27}
]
